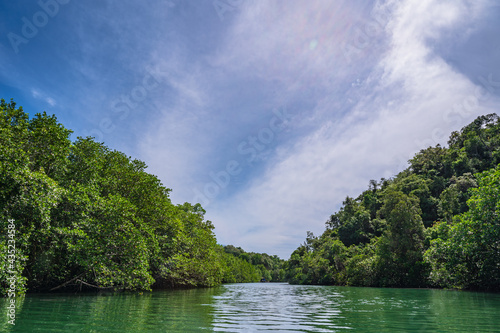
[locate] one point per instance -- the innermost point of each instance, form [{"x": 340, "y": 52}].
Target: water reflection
[
  {"x": 161, "y": 311},
  {"x": 285, "y": 308},
  {"x": 259, "y": 307},
  {"x": 278, "y": 308}
]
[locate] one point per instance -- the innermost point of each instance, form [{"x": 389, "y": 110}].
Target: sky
[{"x": 267, "y": 112}]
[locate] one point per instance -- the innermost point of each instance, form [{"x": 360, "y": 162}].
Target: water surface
[{"x": 260, "y": 307}]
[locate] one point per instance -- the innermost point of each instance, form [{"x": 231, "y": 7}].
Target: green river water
[{"x": 259, "y": 307}]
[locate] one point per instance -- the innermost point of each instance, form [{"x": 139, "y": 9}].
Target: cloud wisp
[{"x": 405, "y": 106}]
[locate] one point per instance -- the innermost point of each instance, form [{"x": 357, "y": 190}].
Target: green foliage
[
  {"x": 466, "y": 255},
  {"x": 453, "y": 199},
  {"x": 321, "y": 261},
  {"x": 48, "y": 145},
  {"x": 89, "y": 217},
  {"x": 434, "y": 224},
  {"x": 354, "y": 223},
  {"x": 27, "y": 194},
  {"x": 476, "y": 147},
  {"x": 431, "y": 162},
  {"x": 360, "y": 264},
  {"x": 238, "y": 270},
  {"x": 399, "y": 251},
  {"x": 251, "y": 267},
  {"x": 419, "y": 187}
]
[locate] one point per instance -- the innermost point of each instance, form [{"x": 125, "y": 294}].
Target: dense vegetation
[
  {"x": 269, "y": 268},
  {"x": 85, "y": 216},
  {"x": 435, "y": 224}
]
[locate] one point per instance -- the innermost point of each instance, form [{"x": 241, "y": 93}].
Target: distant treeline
[
  {"x": 256, "y": 265},
  {"x": 78, "y": 215},
  {"x": 435, "y": 224}
]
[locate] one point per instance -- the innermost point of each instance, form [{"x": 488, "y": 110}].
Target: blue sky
[{"x": 269, "y": 113}]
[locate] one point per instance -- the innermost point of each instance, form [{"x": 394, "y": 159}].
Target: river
[{"x": 259, "y": 307}]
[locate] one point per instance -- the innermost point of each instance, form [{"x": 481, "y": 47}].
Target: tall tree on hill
[{"x": 400, "y": 248}]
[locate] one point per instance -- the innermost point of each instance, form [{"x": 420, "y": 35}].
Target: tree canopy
[
  {"x": 435, "y": 224},
  {"x": 89, "y": 217}
]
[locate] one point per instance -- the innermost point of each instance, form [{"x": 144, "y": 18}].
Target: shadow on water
[
  {"x": 158, "y": 311},
  {"x": 262, "y": 307}
]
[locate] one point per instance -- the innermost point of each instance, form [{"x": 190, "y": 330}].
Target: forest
[
  {"x": 80, "y": 216},
  {"x": 435, "y": 224}
]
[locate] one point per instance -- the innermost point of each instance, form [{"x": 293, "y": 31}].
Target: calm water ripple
[{"x": 259, "y": 307}]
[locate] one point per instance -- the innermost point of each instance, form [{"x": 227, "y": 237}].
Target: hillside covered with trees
[
  {"x": 435, "y": 224},
  {"x": 78, "y": 215}
]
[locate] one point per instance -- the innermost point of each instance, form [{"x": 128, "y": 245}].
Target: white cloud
[
  {"x": 407, "y": 104},
  {"x": 177, "y": 141},
  {"x": 42, "y": 96},
  {"x": 272, "y": 41},
  {"x": 181, "y": 145}
]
